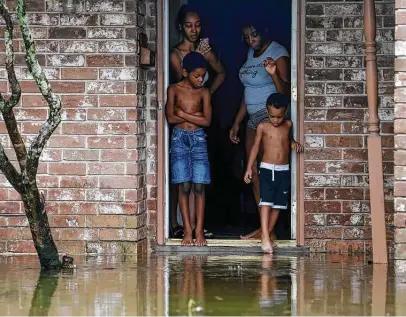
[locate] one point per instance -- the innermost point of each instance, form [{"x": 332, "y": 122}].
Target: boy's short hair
[
  {"x": 278, "y": 100},
  {"x": 194, "y": 60}
]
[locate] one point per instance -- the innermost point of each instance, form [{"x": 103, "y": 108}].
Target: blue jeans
[{"x": 189, "y": 158}]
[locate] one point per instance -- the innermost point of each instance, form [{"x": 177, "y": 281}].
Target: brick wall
[
  {"x": 336, "y": 171},
  {"x": 96, "y": 173},
  {"x": 400, "y": 130}
]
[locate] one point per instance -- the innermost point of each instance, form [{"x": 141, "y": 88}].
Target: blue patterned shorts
[{"x": 189, "y": 157}]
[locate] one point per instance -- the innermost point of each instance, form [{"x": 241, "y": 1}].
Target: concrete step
[{"x": 216, "y": 246}]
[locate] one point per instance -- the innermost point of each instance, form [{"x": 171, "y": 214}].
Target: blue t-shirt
[{"x": 258, "y": 84}]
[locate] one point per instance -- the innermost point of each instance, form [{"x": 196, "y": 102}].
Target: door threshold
[
  {"x": 219, "y": 246},
  {"x": 235, "y": 242}
]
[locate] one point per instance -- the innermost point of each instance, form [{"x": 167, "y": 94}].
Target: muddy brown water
[{"x": 197, "y": 285}]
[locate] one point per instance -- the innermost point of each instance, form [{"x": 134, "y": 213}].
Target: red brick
[
  {"x": 106, "y": 168},
  {"x": 106, "y": 114},
  {"x": 344, "y": 194},
  {"x": 66, "y": 194},
  {"x": 73, "y": 114},
  {"x": 355, "y": 155},
  {"x": 345, "y": 167},
  {"x": 322, "y": 154},
  {"x": 314, "y": 194},
  {"x": 400, "y": 189},
  {"x": 322, "y": 128},
  {"x": 71, "y": 247},
  {"x": 400, "y": 157},
  {"x": 24, "y": 246},
  {"x": 135, "y": 195},
  {"x": 62, "y": 141},
  {"x": 33, "y": 128},
  {"x": 118, "y": 101},
  {"x": 71, "y": 221},
  {"x": 387, "y": 127},
  {"x": 46, "y": 181},
  {"x": 388, "y": 141},
  {"x": 104, "y": 60},
  {"x": 10, "y": 207},
  {"x": 80, "y": 155},
  {"x": 400, "y": 220},
  {"x": 3, "y": 246},
  {"x": 73, "y": 101},
  {"x": 344, "y": 141},
  {"x": 354, "y": 128},
  {"x": 117, "y": 128},
  {"x": 15, "y": 234},
  {"x": 79, "y": 234},
  {"x": 103, "y": 195},
  {"x": 79, "y": 73},
  {"x": 119, "y": 155},
  {"x": 78, "y": 182},
  {"x": 67, "y": 168},
  {"x": 322, "y": 206},
  {"x": 131, "y": 88},
  {"x": 85, "y": 208},
  {"x": 105, "y": 142},
  {"x": 119, "y": 208},
  {"x": 345, "y": 247},
  {"x": 345, "y": 114},
  {"x": 79, "y": 128},
  {"x": 111, "y": 234},
  {"x": 119, "y": 182},
  {"x": 105, "y": 221},
  {"x": 357, "y": 233},
  {"x": 323, "y": 232}
]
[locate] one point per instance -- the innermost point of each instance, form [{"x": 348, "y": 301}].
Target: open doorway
[{"x": 230, "y": 205}]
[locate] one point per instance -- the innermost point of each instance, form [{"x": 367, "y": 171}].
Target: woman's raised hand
[{"x": 270, "y": 65}]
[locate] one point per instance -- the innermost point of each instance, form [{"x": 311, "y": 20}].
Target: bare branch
[
  {"x": 9, "y": 171},
  {"x": 6, "y": 107},
  {"x": 8, "y": 37},
  {"x": 54, "y": 101}
]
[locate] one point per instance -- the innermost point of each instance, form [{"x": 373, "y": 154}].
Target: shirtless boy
[
  {"x": 188, "y": 107},
  {"x": 274, "y": 177}
]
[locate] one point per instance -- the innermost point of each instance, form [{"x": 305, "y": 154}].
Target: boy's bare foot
[
  {"x": 267, "y": 247},
  {"x": 200, "y": 240},
  {"x": 187, "y": 239}
]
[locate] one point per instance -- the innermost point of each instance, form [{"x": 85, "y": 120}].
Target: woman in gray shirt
[{"x": 265, "y": 71}]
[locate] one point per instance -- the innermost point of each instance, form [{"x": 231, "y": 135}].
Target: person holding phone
[{"x": 188, "y": 23}]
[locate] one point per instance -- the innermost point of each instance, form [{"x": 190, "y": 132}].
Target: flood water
[{"x": 197, "y": 285}]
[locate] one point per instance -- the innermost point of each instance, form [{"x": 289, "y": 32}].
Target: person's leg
[
  {"x": 173, "y": 212},
  {"x": 198, "y": 190},
  {"x": 200, "y": 177},
  {"x": 272, "y": 221},
  {"x": 265, "y": 240},
  {"x": 184, "y": 192},
  {"x": 249, "y": 142}
]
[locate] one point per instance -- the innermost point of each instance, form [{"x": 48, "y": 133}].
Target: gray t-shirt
[{"x": 257, "y": 82}]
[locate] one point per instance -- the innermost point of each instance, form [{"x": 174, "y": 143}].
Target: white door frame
[{"x": 294, "y": 113}]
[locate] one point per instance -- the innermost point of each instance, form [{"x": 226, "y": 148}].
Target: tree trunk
[{"x": 34, "y": 205}]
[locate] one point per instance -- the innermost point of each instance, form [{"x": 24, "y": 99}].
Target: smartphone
[{"x": 204, "y": 41}]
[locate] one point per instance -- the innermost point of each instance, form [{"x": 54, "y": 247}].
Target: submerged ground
[{"x": 203, "y": 285}]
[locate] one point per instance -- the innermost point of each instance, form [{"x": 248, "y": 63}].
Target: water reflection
[
  {"x": 203, "y": 285},
  {"x": 41, "y": 300}
]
